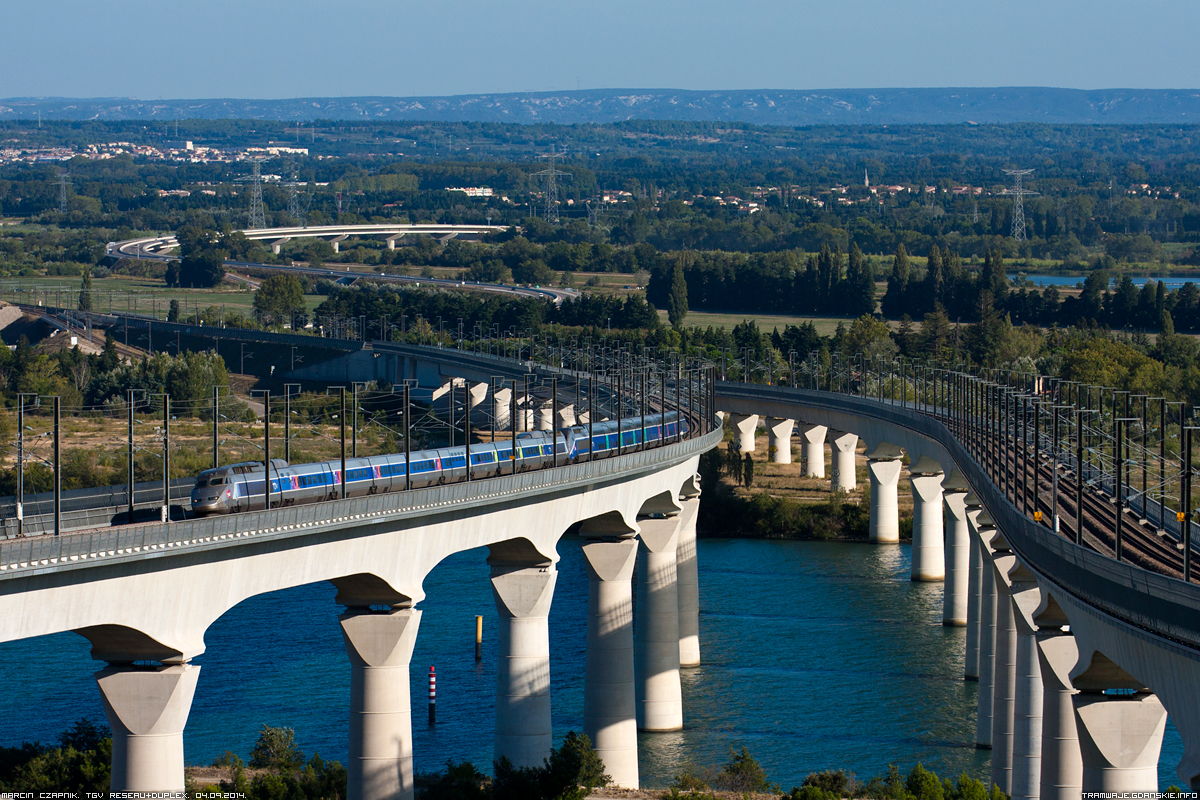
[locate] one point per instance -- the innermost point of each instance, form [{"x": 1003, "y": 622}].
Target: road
[{"x": 148, "y": 249}]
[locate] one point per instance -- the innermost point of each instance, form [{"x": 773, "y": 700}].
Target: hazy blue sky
[{"x": 257, "y": 48}]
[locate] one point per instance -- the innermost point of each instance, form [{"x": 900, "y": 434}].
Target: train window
[{"x": 200, "y": 484}]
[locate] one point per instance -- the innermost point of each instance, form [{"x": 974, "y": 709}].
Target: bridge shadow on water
[{"x": 816, "y": 655}]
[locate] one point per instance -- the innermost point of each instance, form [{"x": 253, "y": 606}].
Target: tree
[
  {"x": 677, "y": 301},
  {"x": 278, "y": 297},
  {"x": 936, "y": 334},
  {"x": 748, "y": 471},
  {"x": 173, "y": 311},
  {"x": 276, "y": 749},
  {"x": 85, "y": 291},
  {"x": 895, "y": 301}
]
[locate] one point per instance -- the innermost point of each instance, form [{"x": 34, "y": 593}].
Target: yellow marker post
[
  {"x": 1180, "y": 516},
  {"x": 478, "y": 638},
  {"x": 1037, "y": 516}
]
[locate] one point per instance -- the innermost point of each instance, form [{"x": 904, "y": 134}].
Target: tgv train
[{"x": 240, "y": 487}]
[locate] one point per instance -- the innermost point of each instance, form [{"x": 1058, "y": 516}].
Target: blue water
[
  {"x": 1072, "y": 280},
  {"x": 816, "y": 655}
]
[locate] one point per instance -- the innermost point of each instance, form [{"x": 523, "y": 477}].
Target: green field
[
  {"x": 124, "y": 293},
  {"x": 766, "y": 322}
]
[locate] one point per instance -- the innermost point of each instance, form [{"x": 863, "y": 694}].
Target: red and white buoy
[{"x": 432, "y": 697}]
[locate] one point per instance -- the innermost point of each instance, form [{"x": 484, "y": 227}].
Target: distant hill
[{"x": 765, "y": 107}]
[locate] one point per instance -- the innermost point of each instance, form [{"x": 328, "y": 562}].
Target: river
[
  {"x": 1041, "y": 280},
  {"x": 816, "y": 655}
]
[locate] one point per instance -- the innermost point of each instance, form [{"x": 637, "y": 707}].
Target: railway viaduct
[{"x": 1079, "y": 656}]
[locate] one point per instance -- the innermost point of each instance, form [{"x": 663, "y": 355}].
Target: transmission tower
[
  {"x": 258, "y": 215},
  {"x": 297, "y": 210},
  {"x": 64, "y": 180},
  {"x": 1018, "y": 195},
  {"x": 550, "y": 177}
]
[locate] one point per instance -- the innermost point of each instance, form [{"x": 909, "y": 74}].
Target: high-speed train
[{"x": 240, "y": 487}]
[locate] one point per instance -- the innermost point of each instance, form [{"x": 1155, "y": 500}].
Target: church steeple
[{"x": 866, "y": 180}]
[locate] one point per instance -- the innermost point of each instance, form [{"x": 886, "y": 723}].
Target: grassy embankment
[{"x": 782, "y": 503}]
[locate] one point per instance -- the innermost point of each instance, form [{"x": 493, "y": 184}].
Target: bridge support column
[
  {"x": 928, "y": 547},
  {"x": 500, "y": 409},
  {"x": 958, "y": 551},
  {"x": 1120, "y": 737},
  {"x": 779, "y": 440},
  {"x": 744, "y": 426},
  {"x": 884, "y": 468},
  {"x": 689, "y": 584},
  {"x": 566, "y": 417},
  {"x": 984, "y": 530},
  {"x": 609, "y": 705},
  {"x": 476, "y": 394},
  {"x": 380, "y": 648},
  {"x": 545, "y": 417},
  {"x": 974, "y": 589},
  {"x": 1028, "y": 700},
  {"x": 814, "y": 449},
  {"x": 1062, "y": 764},
  {"x": 523, "y": 596},
  {"x": 659, "y": 693},
  {"x": 1004, "y": 692},
  {"x": 843, "y": 445},
  {"x": 147, "y": 709}
]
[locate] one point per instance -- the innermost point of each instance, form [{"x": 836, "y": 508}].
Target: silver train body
[{"x": 241, "y": 487}]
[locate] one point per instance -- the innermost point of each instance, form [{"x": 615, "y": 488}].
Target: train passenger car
[{"x": 244, "y": 487}]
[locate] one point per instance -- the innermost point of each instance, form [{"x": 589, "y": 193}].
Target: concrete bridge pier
[
  {"x": 545, "y": 417},
  {"x": 1004, "y": 691},
  {"x": 814, "y": 449},
  {"x": 974, "y": 588},
  {"x": 609, "y": 704},
  {"x": 147, "y": 708},
  {"x": 884, "y": 468},
  {"x": 1028, "y": 702},
  {"x": 957, "y": 557},
  {"x": 476, "y": 395},
  {"x": 566, "y": 416},
  {"x": 380, "y": 646},
  {"x": 688, "y": 580},
  {"x": 744, "y": 426},
  {"x": 779, "y": 439},
  {"x": 985, "y": 528},
  {"x": 843, "y": 445},
  {"x": 501, "y": 403},
  {"x": 659, "y": 692},
  {"x": 1120, "y": 739},
  {"x": 928, "y": 547},
  {"x": 523, "y": 594},
  {"x": 1062, "y": 765}
]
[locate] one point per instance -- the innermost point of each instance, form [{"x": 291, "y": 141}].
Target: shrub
[
  {"x": 570, "y": 773},
  {"x": 458, "y": 782},
  {"x": 743, "y": 773}
]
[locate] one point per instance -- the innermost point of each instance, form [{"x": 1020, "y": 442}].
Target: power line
[
  {"x": 64, "y": 180},
  {"x": 258, "y": 215},
  {"x": 550, "y": 176},
  {"x": 1018, "y": 194}
]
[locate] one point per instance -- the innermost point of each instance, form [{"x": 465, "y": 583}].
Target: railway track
[{"x": 1142, "y": 544}]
